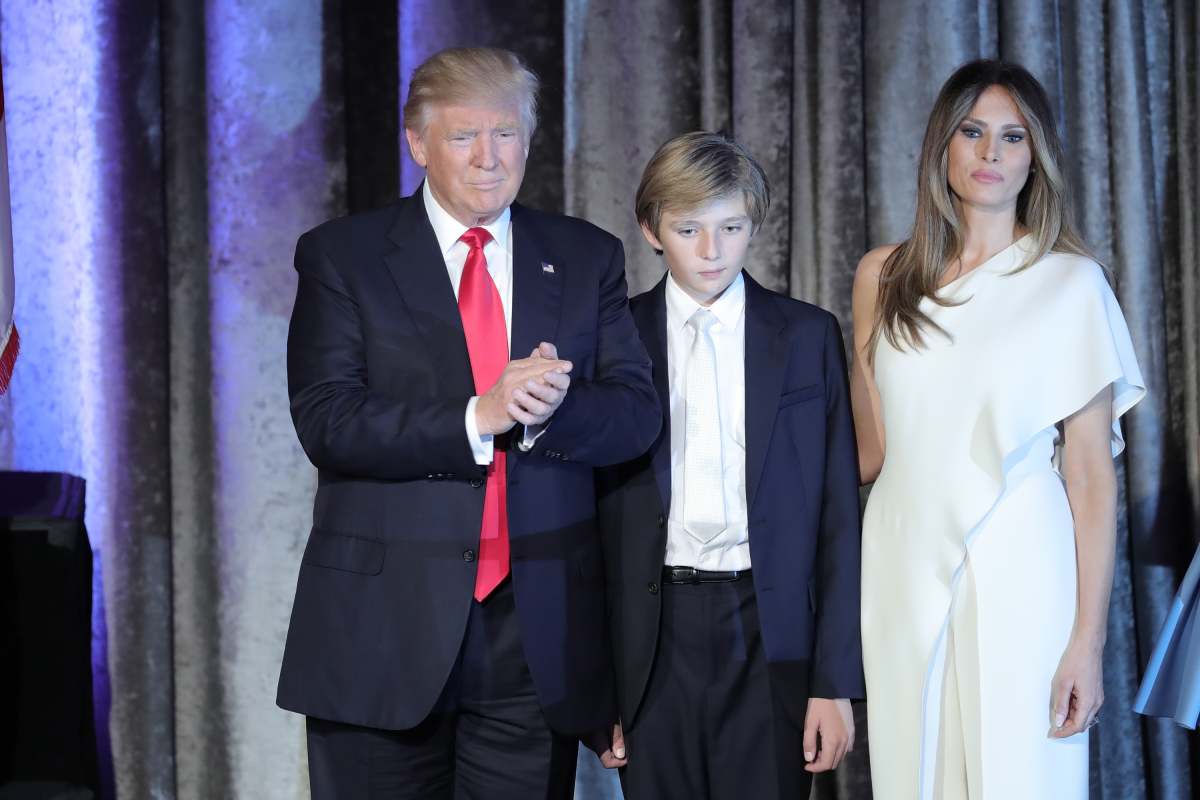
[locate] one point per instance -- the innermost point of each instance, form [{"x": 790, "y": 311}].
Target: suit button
[
  {"x": 652, "y": 587},
  {"x": 468, "y": 555},
  {"x": 661, "y": 520},
  {"x": 476, "y": 483}
]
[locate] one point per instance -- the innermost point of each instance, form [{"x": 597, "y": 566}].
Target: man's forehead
[{"x": 483, "y": 113}]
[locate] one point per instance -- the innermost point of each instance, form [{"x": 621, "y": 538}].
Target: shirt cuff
[
  {"x": 481, "y": 444},
  {"x": 532, "y": 434}
]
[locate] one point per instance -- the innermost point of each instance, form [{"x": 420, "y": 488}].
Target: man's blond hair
[
  {"x": 695, "y": 169},
  {"x": 471, "y": 75}
]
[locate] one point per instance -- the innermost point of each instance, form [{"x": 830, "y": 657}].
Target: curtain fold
[{"x": 165, "y": 156}]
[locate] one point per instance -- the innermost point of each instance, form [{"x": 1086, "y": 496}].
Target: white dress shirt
[
  {"x": 498, "y": 253},
  {"x": 730, "y": 549}
]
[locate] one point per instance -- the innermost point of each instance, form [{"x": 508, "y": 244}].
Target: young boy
[{"x": 732, "y": 546}]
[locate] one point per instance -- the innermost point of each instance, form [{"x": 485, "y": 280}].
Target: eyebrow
[
  {"x": 726, "y": 221},
  {"x": 1005, "y": 127},
  {"x": 504, "y": 127}
]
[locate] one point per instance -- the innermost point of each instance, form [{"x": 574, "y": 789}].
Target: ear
[
  {"x": 651, "y": 238},
  {"x": 416, "y": 147}
]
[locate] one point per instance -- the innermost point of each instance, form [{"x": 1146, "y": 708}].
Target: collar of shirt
[
  {"x": 728, "y": 307},
  {"x": 448, "y": 230}
]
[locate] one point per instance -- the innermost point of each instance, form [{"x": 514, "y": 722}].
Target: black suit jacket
[
  {"x": 802, "y": 498},
  {"x": 379, "y": 380}
]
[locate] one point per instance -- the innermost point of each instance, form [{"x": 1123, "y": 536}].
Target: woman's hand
[{"x": 1077, "y": 691}]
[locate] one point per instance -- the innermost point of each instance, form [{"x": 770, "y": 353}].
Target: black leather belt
[{"x": 693, "y": 575}]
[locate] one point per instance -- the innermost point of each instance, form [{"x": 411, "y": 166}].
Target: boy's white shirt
[{"x": 730, "y": 549}]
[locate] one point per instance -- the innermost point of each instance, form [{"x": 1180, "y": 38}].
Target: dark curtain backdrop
[{"x": 165, "y": 156}]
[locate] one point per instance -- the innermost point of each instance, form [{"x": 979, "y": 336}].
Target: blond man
[
  {"x": 457, "y": 365},
  {"x": 732, "y": 546}
]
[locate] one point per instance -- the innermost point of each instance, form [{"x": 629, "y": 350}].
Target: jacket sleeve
[
  {"x": 343, "y": 425},
  {"x": 616, "y": 415},
  {"x": 837, "y": 661}
]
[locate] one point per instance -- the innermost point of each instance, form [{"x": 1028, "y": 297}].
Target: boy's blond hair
[
  {"x": 696, "y": 168},
  {"x": 471, "y": 74}
]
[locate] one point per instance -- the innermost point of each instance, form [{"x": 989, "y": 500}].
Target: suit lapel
[
  {"x": 536, "y": 298},
  {"x": 651, "y": 319},
  {"x": 419, "y": 271},
  {"x": 537, "y": 288},
  {"x": 766, "y": 366}
]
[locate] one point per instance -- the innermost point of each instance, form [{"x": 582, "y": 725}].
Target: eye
[
  {"x": 1014, "y": 137},
  {"x": 506, "y": 135},
  {"x": 970, "y": 131},
  {"x": 736, "y": 228},
  {"x": 686, "y": 231}
]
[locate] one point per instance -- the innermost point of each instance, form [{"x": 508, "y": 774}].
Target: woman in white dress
[{"x": 992, "y": 365}]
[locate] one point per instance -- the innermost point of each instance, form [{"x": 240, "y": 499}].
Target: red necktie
[{"x": 487, "y": 345}]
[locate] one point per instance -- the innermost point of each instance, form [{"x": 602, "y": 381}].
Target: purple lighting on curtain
[
  {"x": 275, "y": 168},
  {"x": 53, "y": 77}
]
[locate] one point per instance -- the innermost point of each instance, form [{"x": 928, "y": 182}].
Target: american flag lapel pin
[{"x": 547, "y": 268}]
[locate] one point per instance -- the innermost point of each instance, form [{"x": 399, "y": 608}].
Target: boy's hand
[
  {"x": 609, "y": 746},
  {"x": 832, "y": 722}
]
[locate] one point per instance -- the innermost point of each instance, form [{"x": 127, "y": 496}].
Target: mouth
[
  {"x": 485, "y": 186},
  {"x": 987, "y": 176},
  {"x": 711, "y": 273}
]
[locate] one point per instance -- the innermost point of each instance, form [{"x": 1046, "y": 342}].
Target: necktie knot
[
  {"x": 475, "y": 238},
  {"x": 702, "y": 320}
]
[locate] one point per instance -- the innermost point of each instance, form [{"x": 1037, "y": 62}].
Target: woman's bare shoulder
[
  {"x": 870, "y": 267},
  {"x": 871, "y": 264}
]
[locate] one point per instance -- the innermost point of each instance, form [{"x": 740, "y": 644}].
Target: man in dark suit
[
  {"x": 448, "y": 635},
  {"x": 732, "y": 546}
]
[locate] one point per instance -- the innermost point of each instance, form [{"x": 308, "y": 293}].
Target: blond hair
[
  {"x": 694, "y": 169},
  {"x": 471, "y": 74},
  {"x": 915, "y": 269}
]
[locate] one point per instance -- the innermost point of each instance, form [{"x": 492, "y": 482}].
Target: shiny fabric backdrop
[{"x": 165, "y": 156}]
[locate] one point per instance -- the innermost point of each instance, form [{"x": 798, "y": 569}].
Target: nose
[
  {"x": 710, "y": 247},
  {"x": 988, "y": 148},
  {"x": 483, "y": 152}
]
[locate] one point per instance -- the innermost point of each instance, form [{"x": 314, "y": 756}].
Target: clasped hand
[{"x": 529, "y": 391}]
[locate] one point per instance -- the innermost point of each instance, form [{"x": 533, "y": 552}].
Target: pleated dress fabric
[
  {"x": 968, "y": 541},
  {"x": 1171, "y": 686}
]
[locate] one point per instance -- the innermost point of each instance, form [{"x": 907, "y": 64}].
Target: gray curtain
[{"x": 165, "y": 156}]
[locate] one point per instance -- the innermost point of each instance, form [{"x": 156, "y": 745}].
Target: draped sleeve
[{"x": 1066, "y": 342}]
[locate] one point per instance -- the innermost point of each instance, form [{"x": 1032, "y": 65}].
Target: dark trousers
[
  {"x": 486, "y": 738},
  {"x": 708, "y": 727}
]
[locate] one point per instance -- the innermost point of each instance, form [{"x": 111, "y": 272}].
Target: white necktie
[{"x": 703, "y": 490}]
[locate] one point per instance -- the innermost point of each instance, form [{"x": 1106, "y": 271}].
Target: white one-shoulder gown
[{"x": 968, "y": 542}]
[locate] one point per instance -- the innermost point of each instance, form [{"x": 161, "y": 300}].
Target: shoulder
[
  {"x": 870, "y": 266},
  {"x": 644, "y": 300},
  {"x": 579, "y": 233},
  {"x": 1072, "y": 267},
  {"x": 865, "y": 291},
  {"x": 1069, "y": 277},
  {"x": 800, "y": 315},
  {"x": 353, "y": 229}
]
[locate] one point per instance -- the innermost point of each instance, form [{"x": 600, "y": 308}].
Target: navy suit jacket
[
  {"x": 801, "y": 494},
  {"x": 379, "y": 379}
]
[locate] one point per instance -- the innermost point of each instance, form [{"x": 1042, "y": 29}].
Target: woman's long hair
[{"x": 915, "y": 269}]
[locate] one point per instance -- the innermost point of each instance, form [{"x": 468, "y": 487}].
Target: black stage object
[{"x": 47, "y": 729}]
